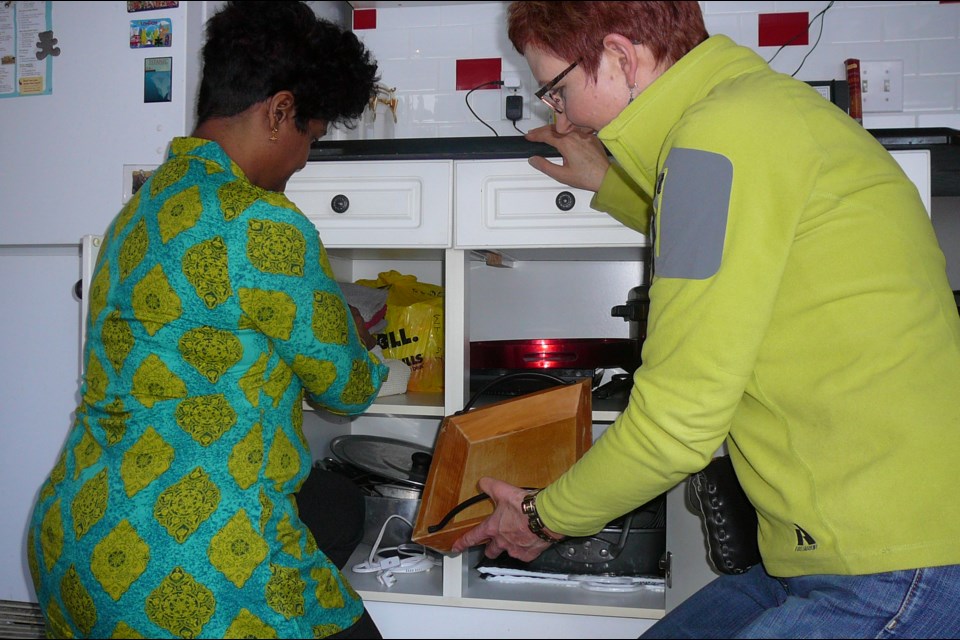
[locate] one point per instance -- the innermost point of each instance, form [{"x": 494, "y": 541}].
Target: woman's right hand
[
  {"x": 507, "y": 528},
  {"x": 585, "y": 159}
]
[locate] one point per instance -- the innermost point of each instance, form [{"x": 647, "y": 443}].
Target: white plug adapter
[{"x": 511, "y": 80}]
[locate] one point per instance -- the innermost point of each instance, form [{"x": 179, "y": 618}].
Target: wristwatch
[{"x": 529, "y": 507}]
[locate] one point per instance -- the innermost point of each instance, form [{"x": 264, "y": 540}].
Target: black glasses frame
[{"x": 542, "y": 92}]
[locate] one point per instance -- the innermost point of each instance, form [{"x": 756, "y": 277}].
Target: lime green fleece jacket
[{"x": 800, "y": 311}]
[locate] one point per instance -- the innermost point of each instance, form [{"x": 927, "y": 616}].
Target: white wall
[{"x": 417, "y": 48}]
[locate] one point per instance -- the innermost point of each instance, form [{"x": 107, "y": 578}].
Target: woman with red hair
[{"x": 799, "y": 313}]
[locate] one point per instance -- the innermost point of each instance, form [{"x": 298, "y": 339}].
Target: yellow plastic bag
[{"x": 414, "y": 330}]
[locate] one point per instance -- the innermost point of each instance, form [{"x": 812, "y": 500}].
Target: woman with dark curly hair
[{"x": 172, "y": 510}]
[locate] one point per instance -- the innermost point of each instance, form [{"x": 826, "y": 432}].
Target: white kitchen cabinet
[
  {"x": 377, "y": 204},
  {"x": 504, "y": 208},
  {"x": 916, "y": 164},
  {"x": 507, "y": 203}
]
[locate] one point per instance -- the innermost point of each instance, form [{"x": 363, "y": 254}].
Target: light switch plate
[{"x": 882, "y": 84}]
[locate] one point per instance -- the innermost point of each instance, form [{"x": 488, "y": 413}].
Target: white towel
[
  {"x": 369, "y": 301},
  {"x": 398, "y": 378}
]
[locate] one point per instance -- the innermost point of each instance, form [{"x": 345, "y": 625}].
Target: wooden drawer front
[
  {"x": 376, "y": 204},
  {"x": 509, "y": 203}
]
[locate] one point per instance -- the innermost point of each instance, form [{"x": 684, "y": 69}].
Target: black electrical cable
[
  {"x": 533, "y": 375},
  {"x": 800, "y": 33},
  {"x": 466, "y": 99},
  {"x": 518, "y": 128},
  {"x": 819, "y": 35}
]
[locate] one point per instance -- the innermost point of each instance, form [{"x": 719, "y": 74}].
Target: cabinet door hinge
[{"x": 665, "y": 562}]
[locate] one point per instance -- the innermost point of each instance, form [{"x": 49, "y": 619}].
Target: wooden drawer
[
  {"x": 508, "y": 203},
  {"x": 376, "y": 204}
]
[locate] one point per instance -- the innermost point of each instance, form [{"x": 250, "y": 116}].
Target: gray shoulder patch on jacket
[{"x": 692, "y": 208}]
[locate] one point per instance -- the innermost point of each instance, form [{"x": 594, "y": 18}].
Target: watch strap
[{"x": 529, "y": 508}]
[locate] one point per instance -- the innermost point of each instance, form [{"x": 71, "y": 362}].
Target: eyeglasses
[{"x": 546, "y": 93}]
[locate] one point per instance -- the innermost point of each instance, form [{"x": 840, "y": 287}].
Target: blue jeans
[{"x": 916, "y": 603}]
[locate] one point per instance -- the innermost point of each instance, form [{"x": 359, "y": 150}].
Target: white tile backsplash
[
  {"x": 933, "y": 22},
  {"x": 418, "y": 47},
  {"x": 939, "y": 57},
  {"x": 929, "y": 93},
  {"x": 728, "y": 23},
  {"x": 842, "y": 25}
]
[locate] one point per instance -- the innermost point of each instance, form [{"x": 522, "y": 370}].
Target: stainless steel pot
[
  {"x": 392, "y": 474},
  {"x": 378, "y": 512},
  {"x": 398, "y": 492}
]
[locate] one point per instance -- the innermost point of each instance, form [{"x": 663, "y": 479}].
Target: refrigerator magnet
[
  {"x": 150, "y": 6},
  {"x": 157, "y": 79},
  {"x": 151, "y": 33}
]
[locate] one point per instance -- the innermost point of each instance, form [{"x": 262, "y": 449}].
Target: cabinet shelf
[
  {"x": 478, "y": 593},
  {"x": 404, "y": 404},
  {"x": 625, "y": 253},
  {"x": 420, "y": 588},
  {"x": 409, "y": 404},
  {"x": 647, "y": 603},
  {"x": 430, "y": 405}
]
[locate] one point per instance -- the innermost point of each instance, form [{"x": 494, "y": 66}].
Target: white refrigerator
[{"x": 63, "y": 152}]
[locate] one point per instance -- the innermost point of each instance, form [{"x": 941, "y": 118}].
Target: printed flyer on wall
[{"x": 27, "y": 48}]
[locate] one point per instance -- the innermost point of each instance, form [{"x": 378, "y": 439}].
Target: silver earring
[{"x": 632, "y": 89}]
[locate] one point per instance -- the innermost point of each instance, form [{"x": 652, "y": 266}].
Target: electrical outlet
[{"x": 881, "y": 82}]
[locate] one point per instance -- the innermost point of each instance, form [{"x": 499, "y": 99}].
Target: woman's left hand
[{"x": 506, "y": 529}]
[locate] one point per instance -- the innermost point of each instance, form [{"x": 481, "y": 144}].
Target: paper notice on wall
[{"x": 27, "y": 48}]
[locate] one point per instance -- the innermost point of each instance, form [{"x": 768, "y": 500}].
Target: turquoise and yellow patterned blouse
[{"x": 170, "y": 511}]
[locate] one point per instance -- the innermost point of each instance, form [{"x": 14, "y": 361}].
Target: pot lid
[{"x": 393, "y": 459}]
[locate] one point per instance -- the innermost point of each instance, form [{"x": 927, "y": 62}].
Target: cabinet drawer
[
  {"x": 506, "y": 203},
  {"x": 376, "y": 204}
]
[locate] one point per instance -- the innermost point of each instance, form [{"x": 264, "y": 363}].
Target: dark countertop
[
  {"x": 480, "y": 148},
  {"x": 943, "y": 144}
]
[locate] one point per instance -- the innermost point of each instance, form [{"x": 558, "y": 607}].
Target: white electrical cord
[{"x": 410, "y": 558}]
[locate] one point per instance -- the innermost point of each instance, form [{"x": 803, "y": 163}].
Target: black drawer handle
[
  {"x": 340, "y": 203},
  {"x": 565, "y": 201}
]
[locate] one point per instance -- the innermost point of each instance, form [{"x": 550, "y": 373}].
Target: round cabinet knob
[
  {"x": 565, "y": 201},
  {"x": 340, "y": 203}
]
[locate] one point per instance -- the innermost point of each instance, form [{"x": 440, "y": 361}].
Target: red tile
[
  {"x": 364, "y": 19},
  {"x": 473, "y": 73},
  {"x": 777, "y": 29}
]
